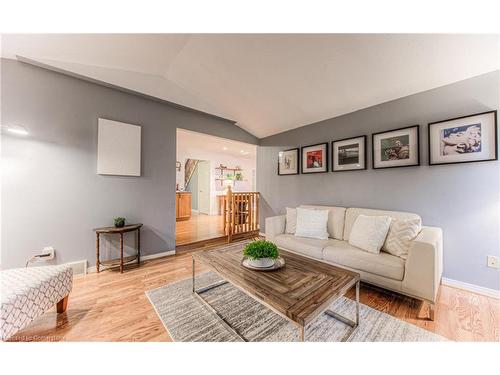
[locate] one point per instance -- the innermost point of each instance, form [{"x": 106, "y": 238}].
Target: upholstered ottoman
[{"x": 27, "y": 293}]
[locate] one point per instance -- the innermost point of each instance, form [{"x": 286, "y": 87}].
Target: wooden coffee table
[{"x": 300, "y": 291}]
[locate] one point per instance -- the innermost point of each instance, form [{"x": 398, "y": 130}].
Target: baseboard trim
[
  {"x": 471, "y": 288},
  {"x": 93, "y": 269},
  {"x": 158, "y": 255}
]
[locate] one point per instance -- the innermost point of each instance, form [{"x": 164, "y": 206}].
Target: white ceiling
[
  {"x": 267, "y": 83},
  {"x": 189, "y": 141}
]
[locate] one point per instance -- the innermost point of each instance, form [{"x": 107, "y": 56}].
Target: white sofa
[{"x": 418, "y": 276}]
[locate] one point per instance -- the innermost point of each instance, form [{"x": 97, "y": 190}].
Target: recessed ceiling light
[
  {"x": 19, "y": 130},
  {"x": 224, "y": 148}
]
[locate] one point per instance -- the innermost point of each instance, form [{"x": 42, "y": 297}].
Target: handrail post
[{"x": 229, "y": 213}]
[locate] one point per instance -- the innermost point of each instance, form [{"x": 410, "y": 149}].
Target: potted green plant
[
  {"x": 119, "y": 222},
  {"x": 261, "y": 253}
]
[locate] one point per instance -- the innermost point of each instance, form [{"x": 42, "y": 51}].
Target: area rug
[{"x": 187, "y": 319}]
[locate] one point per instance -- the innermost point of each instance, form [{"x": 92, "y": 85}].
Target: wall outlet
[
  {"x": 48, "y": 253},
  {"x": 492, "y": 261}
]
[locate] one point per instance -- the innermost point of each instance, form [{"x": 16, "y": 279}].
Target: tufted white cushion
[
  {"x": 369, "y": 232},
  {"x": 336, "y": 218},
  {"x": 27, "y": 293},
  {"x": 312, "y": 223},
  {"x": 400, "y": 235},
  {"x": 291, "y": 220}
]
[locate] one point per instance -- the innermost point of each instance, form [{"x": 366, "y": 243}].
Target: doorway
[{"x": 207, "y": 167}]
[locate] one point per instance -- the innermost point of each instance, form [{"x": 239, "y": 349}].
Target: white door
[{"x": 204, "y": 187}]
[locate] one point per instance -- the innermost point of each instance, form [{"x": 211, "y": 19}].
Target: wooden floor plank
[
  {"x": 198, "y": 228},
  {"x": 110, "y": 306}
]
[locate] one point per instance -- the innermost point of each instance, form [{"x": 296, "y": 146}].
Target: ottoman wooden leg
[
  {"x": 62, "y": 305},
  {"x": 432, "y": 309}
]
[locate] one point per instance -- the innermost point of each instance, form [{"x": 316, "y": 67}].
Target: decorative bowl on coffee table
[
  {"x": 260, "y": 254},
  {"x": 277, "y": 264}
]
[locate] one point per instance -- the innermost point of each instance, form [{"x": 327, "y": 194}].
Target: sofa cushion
[
  {"x": 400, "y": 236},
  {"x": 369, "y": 232},
  {"x": 312, "y": 223},
  {"x": 336, "y": 217},
  {"x": 352, "y": 214},
  {"x": 382, "y": 264},
  {"x": 307, "y": 246}
]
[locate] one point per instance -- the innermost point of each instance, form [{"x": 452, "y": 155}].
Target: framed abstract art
[
  {"x": 396, "y": 148},
  {"x": 288, "y": 162},
  {"x": 314, "y": 158},
  {"x": 349, "y": 154},
  {"x": 464, "y": 139}
]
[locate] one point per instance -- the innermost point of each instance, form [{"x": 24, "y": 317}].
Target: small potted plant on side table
[
  {"x": 261, "y": 253},
  {"x": 119, "y": 222}
]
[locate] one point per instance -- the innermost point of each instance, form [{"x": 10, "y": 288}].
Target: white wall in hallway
[{"x": 247, "y": 164}]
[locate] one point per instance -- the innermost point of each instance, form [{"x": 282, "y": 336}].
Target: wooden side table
[{"x": 120, "y": 231}]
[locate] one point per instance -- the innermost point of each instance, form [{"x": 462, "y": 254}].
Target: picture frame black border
[
  {"x": 327, "y": 169},
  {"x": 365, "y": 139},
  {"x": 393, "y": 130},
  {"x": 297, "y": 149},
  {"x": 459, "y": 118}
]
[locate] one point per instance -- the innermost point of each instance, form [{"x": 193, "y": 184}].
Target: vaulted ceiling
[{"x": 267, "y": 83}]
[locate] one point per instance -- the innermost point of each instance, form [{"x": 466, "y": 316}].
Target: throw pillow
[
  {"x": 400, "y": 235},
  {"x": 369, "y": 232},
  {"x": 312, "y": 223},
  {"x": 291, "y": 220}
]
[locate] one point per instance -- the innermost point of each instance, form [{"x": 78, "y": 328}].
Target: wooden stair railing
[
  {"x": 241, "y": 213},
  {"x": 189, "y": 169}
]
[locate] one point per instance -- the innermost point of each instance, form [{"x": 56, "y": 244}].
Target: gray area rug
[{"x": 187, "y": 319}]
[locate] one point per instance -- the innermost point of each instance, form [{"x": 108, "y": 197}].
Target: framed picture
[
  {"x": 288, "y": 162},
  {"x": 315, "y": 158},
  {"x": 396, "y": 148},
  {"x": 464, "y": 139},
  {"x": 349, "y": 154},
  {"x": 118, "y": 148}
]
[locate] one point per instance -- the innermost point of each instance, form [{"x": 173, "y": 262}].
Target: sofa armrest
[
  {"x": 275, "y": 225},
  {"x": 424, "y": 265}
]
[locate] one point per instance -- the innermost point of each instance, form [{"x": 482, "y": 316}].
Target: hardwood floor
[
  {"x": 110, "y": 306},
  {"x": 198, "y": 228}
]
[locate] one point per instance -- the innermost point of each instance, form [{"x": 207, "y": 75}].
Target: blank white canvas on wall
[{"x": 118, "y": 148}]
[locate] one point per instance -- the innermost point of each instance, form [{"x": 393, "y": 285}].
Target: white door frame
[{"x": 204, "y": 193}]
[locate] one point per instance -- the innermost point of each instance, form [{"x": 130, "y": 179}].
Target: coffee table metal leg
[
  {"x": 357, "y": 302},
  {"x": 193, "y": 276},
  {"x": 343, "y": 319}
]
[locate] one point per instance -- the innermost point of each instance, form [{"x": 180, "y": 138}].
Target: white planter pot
[{"x": 261, "y": 263}]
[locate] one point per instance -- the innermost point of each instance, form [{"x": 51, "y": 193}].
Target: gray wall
[
  {"x": 51, "y": 194},
  {"x": 463, "y": 199}
]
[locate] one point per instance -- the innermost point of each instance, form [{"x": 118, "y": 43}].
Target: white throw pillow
[
  {"x": 312, "y": 223},
  {"x": 369, "y": 232},
  {"x": 291, "y": 220},
  {"x": 401, "y": 234}
]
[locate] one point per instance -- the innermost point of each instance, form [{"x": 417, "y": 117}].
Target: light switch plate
[{"x": 492, "y": 261}]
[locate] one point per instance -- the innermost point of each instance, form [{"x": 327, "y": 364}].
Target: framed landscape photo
[
  {"x": 315, "y": 158},
  {"x": 464, "y": 139},
  {"x": 288, "y": 162},
  {"x": 349, "y": 154},
  {"x": 396, "y": 148}
]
